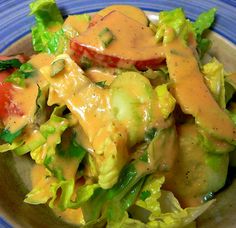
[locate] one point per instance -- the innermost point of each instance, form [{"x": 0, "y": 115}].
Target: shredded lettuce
[
  {"x": 8, "y": 136},
  {"x": 5, "y": 64},
  {"x": 214, "y": 78},
  {"x": 48, "y": 35},
  {"x": 129, "y": 179},
  {"x": 9, "y": 146},
  {"x": 18, "y": 77},
  {"x": 173, "y": 24},
  {"x": 166, "y": 101},
  {"x": 164, "y": 209},
  {"x": 203, "y": 22},
  {"x": 51, "y": 131}
]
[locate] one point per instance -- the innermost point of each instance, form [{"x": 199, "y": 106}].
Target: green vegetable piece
[
  {"x": 31, "y": 143},
  {"x": 10, "y": 146},
  {"x": 165, "y": 100},
  {"x": 8, "y": 136},
  {"x": 85, "y": 63},
  {"x": 203, "y": 22},
  {"x": 132, "y": 98},
  {"x": 5, "y": 64},
  {"x": 106, "y": 36},
  {"x": 48, "y": 35},
  {"x": 196, "y": 171},
  {"x": 18, "y": 77},
  {"x": 173, "y": 24},
  {"x": 101, "y": 84},
  {"x": 57, "y": 66},
  {"x": 150, "y": 134},
  {"x": 145, "y": 194},
  {"x": 214, "y": 78}
]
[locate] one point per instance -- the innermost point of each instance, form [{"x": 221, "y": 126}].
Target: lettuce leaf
[
  {"x": 173, "y": 24},
  {"x": 164, "y": 209},
  {"x": 9, "y": 146},
  {"x": 203, "y": 22},
  {"x": 129, "y": 179},
  {"x": 6, "y": 64},
  {"x": 45, "y": 37},
  {"x": 51, "y": 131},
  {"x": 214, "y": 78},
  {"x": 18, "y": 77},
  {"x": 8, "y": 136},
  {"x": 166, "y": 101}
]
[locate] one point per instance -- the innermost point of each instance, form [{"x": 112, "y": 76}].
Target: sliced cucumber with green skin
[
  {"x": 131, "y": 103},
  {"x": 213, "y": 145},
  {"x": 196, "y": 172}
]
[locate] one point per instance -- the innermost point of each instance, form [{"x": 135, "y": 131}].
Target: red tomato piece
[{"x": 7, "y": 105}]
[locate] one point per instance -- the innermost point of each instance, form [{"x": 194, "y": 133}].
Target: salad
[{"x": 128, "y": 122}]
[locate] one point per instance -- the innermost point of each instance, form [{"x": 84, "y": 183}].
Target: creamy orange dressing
[
  {"x": 54, "y": 27},
  {"x": 128, "y": 10},
  {"x": 192, "y": 93},
  {"x": 38, "y": 61},
  {"x": 41, "y": 179},
  {"x": 97, "y": 75},
  {"x": 74, "y": 216},
  {"x": 86, "y": 101},
  {"x": 129, "y": 36},
  {"x": 77, "y": 23}
]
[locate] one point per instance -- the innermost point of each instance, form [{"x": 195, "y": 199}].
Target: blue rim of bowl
[{"x": 12, "y": 30}]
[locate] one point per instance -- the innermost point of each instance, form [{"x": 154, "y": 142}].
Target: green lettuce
[
  {"x": 44, "y": 38},
  {"x": 230, "y": 86},
  {"x": 103, "y": 204},
  {"x": 8, "y": 136},
  {"x": 164, "y": 209},
  {"x": 203, "y": 22},
  {"x": 51, "y": 131},
  {"x": 173, "y": 24},
  {"x": 10, "y": 146},
  {"x": 9, "y": 63},
  {"x": 18, "y": 77},
  {"x": 166, "y": 101},
  {"x": 214, "y": 78}
]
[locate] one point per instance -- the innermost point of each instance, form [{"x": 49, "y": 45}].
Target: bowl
[{"x": 15, "y": 38}]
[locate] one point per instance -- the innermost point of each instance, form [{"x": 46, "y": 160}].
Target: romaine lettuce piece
[
  {"x": 48, "y": 35},
  {"x": 166, "y": 101},
  {"x": 9, "y": 63},
  {"x": 214, "y": 78},
  {"x": 10, "y": 146},
  {"x": 8, "y": 136},
  {"x": 202, "y": 23},
  {"x": 18, "y": 77},
  {"x": 51, "y": 131},
  {"x": 150, "y": 161},
  {"x": 173, "y": 24},
  {"x": 160, "y": 209}
]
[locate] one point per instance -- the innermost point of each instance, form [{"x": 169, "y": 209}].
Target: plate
[{"x": 15, "y": 24}]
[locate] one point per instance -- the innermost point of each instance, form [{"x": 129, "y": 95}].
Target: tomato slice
[{"x": 7, "y": 105}]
